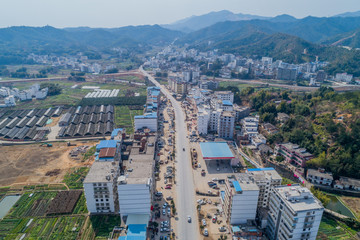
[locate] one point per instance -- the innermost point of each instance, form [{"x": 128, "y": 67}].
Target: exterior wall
[
  {"x": 99, "y": 199},
  {"x": 134, "y": 199},
  {"x": 244, "y": 207},
  {"x": 226, "y": 127},
  {"x": 203, "y": 123},
  {"x": 318, "y": 180},
  {"x": 226, "y": 96}
]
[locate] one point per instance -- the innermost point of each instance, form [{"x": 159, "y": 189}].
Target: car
[
  {"x": 161, "y": 238},
  {"x": 169, "y": 198},
  {"x": 165, "y": 205},
  {"x": 189, "y": 219},
  {"x": 206, "y": 233},
  {"x": 169, "y": 211},
  {"x": 222, "y": 229},
  {"x": 184, "y": 149},
  {"x": 203, "y": 222},
  {"x": 168, "y": 187},
  {"x": 218, "y": 169},
  {"x": 158, "y": 194},
  {"x": 163, "y": 212},
  {"x": 214, "y": 219},
  {"x": 166, "y": 238}
]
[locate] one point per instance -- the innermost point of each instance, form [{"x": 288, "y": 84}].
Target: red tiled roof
[{"x": 107, "y": 152}]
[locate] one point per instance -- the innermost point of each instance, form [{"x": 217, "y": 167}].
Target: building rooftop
[
  {"x": 243, "y": 182},
  {"x": 264, "y": 173},
  {"x": 227, "y": 103},
  {"x": 101, "y": 172},
  {"x": 107, "y": 152},
  {"x": 106, "y": 144},
  {"x": 317, "y": 173},
  {"x": 216, "y": 150},
  {"x": 350, "y": 181},
  {"x": 295, "y": 148},
  {"x": 298, "y": 198},
  {"x": 140, "y": 166},
  {"x": 147, "y": 116}
]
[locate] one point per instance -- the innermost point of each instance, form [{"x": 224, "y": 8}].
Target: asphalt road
[{"x": 185, "y": 204}]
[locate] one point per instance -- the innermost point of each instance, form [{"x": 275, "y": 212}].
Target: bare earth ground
[
  {"x": 28, "y": 164},
  {"x": 353, "y": 203}
]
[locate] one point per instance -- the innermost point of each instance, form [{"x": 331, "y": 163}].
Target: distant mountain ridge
[{"x": 195, "y": 23}]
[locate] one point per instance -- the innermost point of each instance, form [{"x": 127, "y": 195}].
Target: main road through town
[{"x": 185, "y": 204}]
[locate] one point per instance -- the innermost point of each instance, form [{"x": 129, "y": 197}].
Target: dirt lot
[
  {"x": 28, "y": 164},
  {"x": 353, "y": 203}
]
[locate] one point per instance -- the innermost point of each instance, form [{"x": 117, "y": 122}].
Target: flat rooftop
[
  {"x": 298, "y": 198},
  {"x": 107, "y": 152},
  {"x": 101, "y": 172},
  {"x": 140, "y": 166},
  {"x": 243, "y": 183},
  {"x": 261, "y": 173},
  {"x": 216, "y": 150}
]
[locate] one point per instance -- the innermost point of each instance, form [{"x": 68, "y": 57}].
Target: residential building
[
  {"x": 136, "y": 184},
  {"x": 226, "y": 125},
  {"x": 225, "y": 95},
  {"x": 241, "y": 112},
  {"x": 343, "y": 77},
  {"x": 265, "y": 179},
  {"x": 319, "y": 176},
  {"x": 250, "y": 126},
  {"x": 294, "y": 213},
  {"x": 240, "y": 199},
  {"x": 100, "y": 187},
  {"x": 203, "y": 119},
  {"x": 214, "y": 120},
  {"x": 286, "y": 73},
  {"x": 227, "y": 105},
  {"x": 282, "y": 117},
  {"x": 258, "y": 140},
  {"x": 346, "y": 183},
  {"x": 293, "y": 153}
]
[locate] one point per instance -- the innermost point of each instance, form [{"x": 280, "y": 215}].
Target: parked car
[
  {"x": 206, "y": 233},
  {"x": 189, "y": 219},
  {"x": 203, "y": 222},
  {"x": 164, "y": 212},
  {"x": 168, "y": 187},
  {"x": 169, "y": 198},
  {"x": 214, "y": 219},
  {"x": 184, "y": 149},
  {"x": 169, "y": 211},
  {"x": 222, "y": 229}
]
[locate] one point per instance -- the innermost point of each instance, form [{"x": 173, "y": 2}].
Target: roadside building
[
  {"x": 319, "y": 176},
  {"x": 240, "y": 199},
  {"x": 203, "y": 119},
  {"x": 226, "y": 125},
  {"x": 100, "y": 187},
  {"x": 293, "y": 153},
  {"x": 294, "y": 213},
  {"x": 136, "y": 184},
  {"x": 148, "y": 120}
]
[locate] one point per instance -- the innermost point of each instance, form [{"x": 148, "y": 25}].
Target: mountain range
[{"x": 283, "y": 37}]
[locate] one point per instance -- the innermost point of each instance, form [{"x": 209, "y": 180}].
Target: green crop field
[
  {"x": 124, "y": 117},
  {"x": 74, "y": 179},
  {"x": 331, "y": 229}
]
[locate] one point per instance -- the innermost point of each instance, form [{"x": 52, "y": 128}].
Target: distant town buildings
[{"x": 12, "y": 94}]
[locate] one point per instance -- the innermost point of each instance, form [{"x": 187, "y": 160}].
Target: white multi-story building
[
  {"x": 319, "y": 177},
  {"x": 10, "y": 101},
  {"x": 136, "y": 186},
  {"x": 294, "y": 213},
  {"x": 203, "y": 119},
  {"x": 148, "y": 120},
  {"x": 214, "y": 120},
  {"x": 226, "y": 124},
  {"x": 240, "y": 199},
  {"x": 100, "y": 187},
  {"x": 225, "y": 95},
  {"x": 250, "y": 126},
  {"x": 265, "y": 179},
  {"x": 41, "y": 94}
]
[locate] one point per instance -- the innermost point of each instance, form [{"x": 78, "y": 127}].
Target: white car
[
  {"x": 204, "y": 222},
  {"x": 206, "y": 233}
]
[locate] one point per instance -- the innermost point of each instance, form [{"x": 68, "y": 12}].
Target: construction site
[{"x": 34, "y": 164}]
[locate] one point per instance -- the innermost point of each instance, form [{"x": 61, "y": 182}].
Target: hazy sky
[{"x": 116, "y": 13}]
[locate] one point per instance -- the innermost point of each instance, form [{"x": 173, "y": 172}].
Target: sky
[{"x": 118, "y": 13}]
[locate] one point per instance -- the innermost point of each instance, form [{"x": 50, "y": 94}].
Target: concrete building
[
  {"x": 214, "y": 120},
  {"x": 265, "y": 179},
  {"x": 226, "y": 125},
  {"x": 227, "y": 105},
  {"x": 225, "y": 95},
  {"x": 319, "y": 177},
  {"x": 240, "y": 199},
  {"x": 250, "y": 126},
  {"x": 203, "y": 119},
  {"x": 136, "y": 184},
  {"x": 148, "y": 120},
  {"x": 241, "y": 112},
  {"x": 293, "y": 153},
  {"x": 286, "y": 74},
  {"x": 346, "y": 183},
  {"x": 100, "y": 187},
  {"x": 294, "y": 213}
]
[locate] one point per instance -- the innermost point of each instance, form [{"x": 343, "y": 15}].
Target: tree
[{"x": 54, "y": 89}]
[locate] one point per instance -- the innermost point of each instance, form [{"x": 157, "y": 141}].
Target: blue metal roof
[
  {"x": 260, "y": 169},
  {"x": 227, "y": 103},
  {"x": 106, "y": 144},
  {"x": 237, "y": 186},
  {"x": 135, "y": 232},
  {"x": 215, "y": 150},
  {"x": 116, "y": 131},
  {"x": 147, "y": 116}
]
